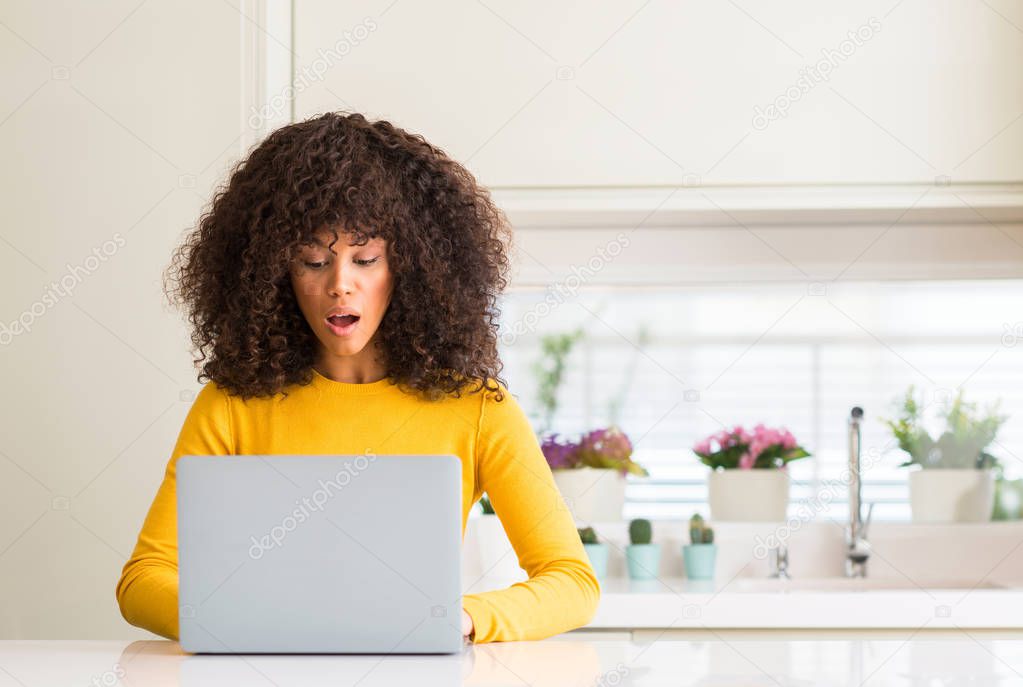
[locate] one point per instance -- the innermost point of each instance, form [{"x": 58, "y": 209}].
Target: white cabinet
[{"x": 543, "y": 94}]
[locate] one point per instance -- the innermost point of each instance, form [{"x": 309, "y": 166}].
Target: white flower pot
[
  {"x": 937, "y": 495},
  {"x": 748, "y": 495},
  {"x": 592, "y": 494},
  {"x": 489, "y": 561}
]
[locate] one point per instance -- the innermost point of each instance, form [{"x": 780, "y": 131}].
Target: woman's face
[{"x": 343, "y": 293}]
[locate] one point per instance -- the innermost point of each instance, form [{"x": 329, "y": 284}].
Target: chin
[{"x": 351, "y": 348}]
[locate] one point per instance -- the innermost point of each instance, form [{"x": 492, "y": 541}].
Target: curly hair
[{"x": 447, "y": 249}]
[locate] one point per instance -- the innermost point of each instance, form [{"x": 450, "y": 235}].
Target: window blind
[{"x": 671, "y": 365}]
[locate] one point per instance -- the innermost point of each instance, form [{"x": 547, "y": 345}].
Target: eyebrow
[{"x": 323, "y": 244}]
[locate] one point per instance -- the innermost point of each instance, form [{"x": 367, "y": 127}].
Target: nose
[{"x": 340, "y": 279}]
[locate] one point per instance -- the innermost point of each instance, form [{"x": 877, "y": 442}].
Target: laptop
[{"x": 319, "y": 554}]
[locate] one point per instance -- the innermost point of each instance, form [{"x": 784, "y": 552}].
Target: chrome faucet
[
  {"x": 858, "y": 550},
  {"x": 778, "y": 560}
]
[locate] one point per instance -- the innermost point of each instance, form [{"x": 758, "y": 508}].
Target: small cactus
[
  {"x": 640, "y": 531},
  {"x": 485, "y": 505},
  {"x": 696, "y": 529},
  {"x": 588, "y": 535},
  {"x": 699, "y": 531}
]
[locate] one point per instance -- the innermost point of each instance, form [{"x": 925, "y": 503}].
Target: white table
[{"x": 564, "y": 661}]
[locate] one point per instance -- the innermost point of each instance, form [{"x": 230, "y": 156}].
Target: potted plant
[
  {"x": 487, "y": 547},
  {"x": 699, "y": 556},
  {"x": 748, "y": 480},
  {"x": 596, "y": 550},
  {"x": 591, "y": 472},
  {"x": 642, "y": 556},
  {"x": 954, "y": 476}
]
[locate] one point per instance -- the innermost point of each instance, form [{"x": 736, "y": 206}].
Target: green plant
[
  {"x": 699, "y": 531},
  {"x": 1008, "y": 497},
  {"x": 549, "y": 370},
  {"x": 488, "y": 509},
  {"x": 961, "y": 445},
  {"x": 641, "y": 531},
  {"x": 588, "y": 535}
]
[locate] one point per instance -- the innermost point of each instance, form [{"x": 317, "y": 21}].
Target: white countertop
[
  {"x": 561, "y": 662},
  {"x": 823, "y": 603}
]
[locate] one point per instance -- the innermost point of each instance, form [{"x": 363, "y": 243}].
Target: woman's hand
[{"x": 466, "y": 624}]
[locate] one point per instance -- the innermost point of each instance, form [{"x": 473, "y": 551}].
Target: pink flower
[
  {"x": 767, "y": 436},
  {"x": 756, "y": 447},
  {"x": 741, "y": 435},
  {"x": 753, "y": 446}
]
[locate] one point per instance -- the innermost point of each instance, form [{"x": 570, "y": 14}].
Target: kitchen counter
[
  {"x": 563, "y": 661},
  {"x": 822, "y": 603}
]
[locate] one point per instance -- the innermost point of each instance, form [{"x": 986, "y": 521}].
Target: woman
[{"x": 342, "y": 293}]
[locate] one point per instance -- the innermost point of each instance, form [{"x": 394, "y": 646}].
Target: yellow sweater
[{"x": 500, "y": 456}]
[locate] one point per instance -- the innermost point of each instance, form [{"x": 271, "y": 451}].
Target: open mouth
[
  {"x": 343, "y": 320},
  {"x": 342, "y": 325}
]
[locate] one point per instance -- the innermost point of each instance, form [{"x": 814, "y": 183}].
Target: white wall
[{"x": 116, "y": 120}]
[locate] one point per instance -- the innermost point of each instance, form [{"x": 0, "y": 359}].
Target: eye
[
  {"x": 313, "y": 265},
  {"x": 366, "y": 262}
]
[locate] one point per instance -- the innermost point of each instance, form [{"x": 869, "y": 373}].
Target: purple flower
[
  {"x": 600, "y": 448},
  {"x": 559, "y": 455},
  {"x": 610, "y": 444}
]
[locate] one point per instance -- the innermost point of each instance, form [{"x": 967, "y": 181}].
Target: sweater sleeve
[
  {"x": 147, "y": 592},
  {"x": 562, "y": 590}
]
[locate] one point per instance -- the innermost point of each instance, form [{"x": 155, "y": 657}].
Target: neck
[{"x": 361, "y": 368}]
